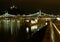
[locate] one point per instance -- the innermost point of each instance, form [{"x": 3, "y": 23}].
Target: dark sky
[{"x": 30, "y": 6}]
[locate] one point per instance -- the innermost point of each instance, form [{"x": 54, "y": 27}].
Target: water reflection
[
  {"x": 34, "y": 27},
  {"x": 13, "y": 25},
  {"x": 6, "y": 25},
  {"x": 18, "y": 28}
]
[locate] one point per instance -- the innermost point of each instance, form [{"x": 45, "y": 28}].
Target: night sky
[{"x": 32, "y": 6}]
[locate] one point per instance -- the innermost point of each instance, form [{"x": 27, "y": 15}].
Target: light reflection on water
[{"x": 16, "y": 27}]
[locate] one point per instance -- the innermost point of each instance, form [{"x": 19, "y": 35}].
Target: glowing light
[
  {"x": 27, "y": 29},
  {"x": 46, "y": 23},
  {"x": 34, "y": 21},
  {"x": 34, "y": 27},
  {"x": 13, "y": 7},
  {"x": 58, "y": 18},
  {"x": 18, "y": 24},
  {"x": 18, "y": 21},
  {"x": 27, "y": 20},
  {"x": 56, "y": 28}
]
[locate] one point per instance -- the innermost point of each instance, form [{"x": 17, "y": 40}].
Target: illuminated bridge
[{"x": 29, "y": 28}]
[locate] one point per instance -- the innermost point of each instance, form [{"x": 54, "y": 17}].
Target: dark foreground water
[{"x": 20, "y": 35}]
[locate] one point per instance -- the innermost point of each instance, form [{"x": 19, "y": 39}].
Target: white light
[
  {"x": 18, "y": 24},
  {"x": 34, "y": 21},
  {"x": 12, "y": 7},
  {"x": 18, "y": 21},
  {"x": 27, "y": 29},
  {"x": 46, "y": 23},
  {"x": 37, "y": 13},
  {"x": 27, "y": 20},
  {"x": 58, "y": 18},
  {"x": 34, "y": 27},
  {"x": 8, "y": 20}
]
